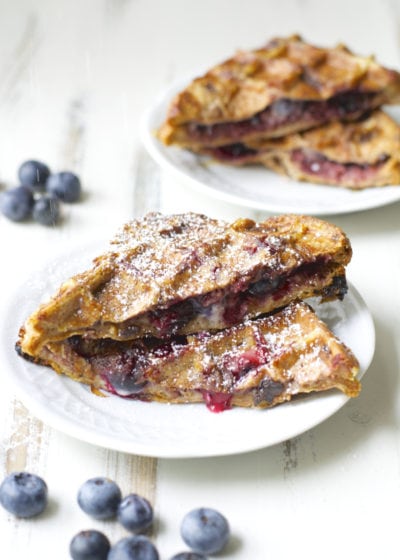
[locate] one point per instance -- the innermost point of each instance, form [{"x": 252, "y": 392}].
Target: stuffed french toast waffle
[
  {"x": 175, "y": 292},
  {"x": 257, "y": 363},
  {"x": 286, "y": 86},
  {"x": 308, "y": 112}
]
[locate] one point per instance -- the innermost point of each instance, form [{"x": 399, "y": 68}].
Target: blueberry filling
[
  {"x": 346, "y": 105},
  {"x": 217, "y": 402},
  {"x": 316, "y": 164},
  {"x": 310, "y": 162},
  {"x": 118, "y": 365},
  {"x": 263, "y": 286},
  {"x": 233, "y": 152},
  {"x": 231, "y": 307},
  {"x": 124, "y": 367},
  {"x": 239, "y": 364},
  {"x": 338, "y": 288},
  {"x": 267, "y": 391}
]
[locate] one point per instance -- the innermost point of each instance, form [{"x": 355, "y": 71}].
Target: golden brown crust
[
  {"x": 258, "y": 363},
  {"x": 158, "y": 262},
  {"x": 286, "y": 68}
]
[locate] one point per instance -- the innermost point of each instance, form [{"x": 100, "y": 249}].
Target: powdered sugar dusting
[
  {"x": 265, "y": 360},
  {"x": 160, "y": 248},
  {"x": 160, "y": 262}
]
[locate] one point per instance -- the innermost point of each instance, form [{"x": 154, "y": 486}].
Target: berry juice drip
[{"x": 217, "y": 402}]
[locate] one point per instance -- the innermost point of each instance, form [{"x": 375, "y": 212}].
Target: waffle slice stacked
[
  {"x": 185, "y": 308},
  {"x": 236, "y": 110}
]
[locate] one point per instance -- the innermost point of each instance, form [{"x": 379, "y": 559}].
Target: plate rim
[
  {"x": 66, "y": 425},
  {"x": 156, "y": 151}
]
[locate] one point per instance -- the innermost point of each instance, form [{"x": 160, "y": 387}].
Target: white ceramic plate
[
  {"x": 254, "y": 187},
  {"x": 163, "y": 430}
]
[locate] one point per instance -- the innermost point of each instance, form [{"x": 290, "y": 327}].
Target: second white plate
[
  {"x": 253, "y": 186},
  {"x": 163, "y": 430}
]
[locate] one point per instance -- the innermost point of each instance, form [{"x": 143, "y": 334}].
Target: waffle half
[
  {"x": 257, "y": 363},
  {"x": 285, "y": 87},
  {"x": 186, "y": 273}
]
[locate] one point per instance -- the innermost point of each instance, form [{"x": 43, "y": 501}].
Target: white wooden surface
[{"x": 75, "y": 78}]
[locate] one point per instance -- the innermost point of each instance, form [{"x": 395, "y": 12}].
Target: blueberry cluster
[
  {"x": 39, "y": 194},
  {"x": 204, "y": 530}
]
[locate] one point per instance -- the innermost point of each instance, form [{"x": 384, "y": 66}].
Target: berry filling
[
  {"x": 268, "y": 390},
  {"x": 283, "y": 112},
  {"x": 119, "y": 365},
  {"x": 237, "y": 152},
  {"x": 217, "y": 402},
  {"x": 238, "y": 365},
  {"x": 135, "y": 369},
  {"x": 316, "y": 164},
  {"x": 223, "y": 308},
  {"x": 121, "y": 373}
]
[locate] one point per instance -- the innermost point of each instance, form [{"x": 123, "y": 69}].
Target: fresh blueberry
[
  {"x": 34, "y": 174},
  {"x": 89, "y": 545},
  {"x": 16, "y": 204},
  {"x": 99, "y": 497},
  {"x": 136, "y": 547},
  {"x": 189, "y": 556},
  {"x": 205, "y": 530},
  {"x": 23, "y": 494},
  {"x": 46, "y": 210},
  {"x": 135, "y": 513},
  {"x": 64, "y": 185}
]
